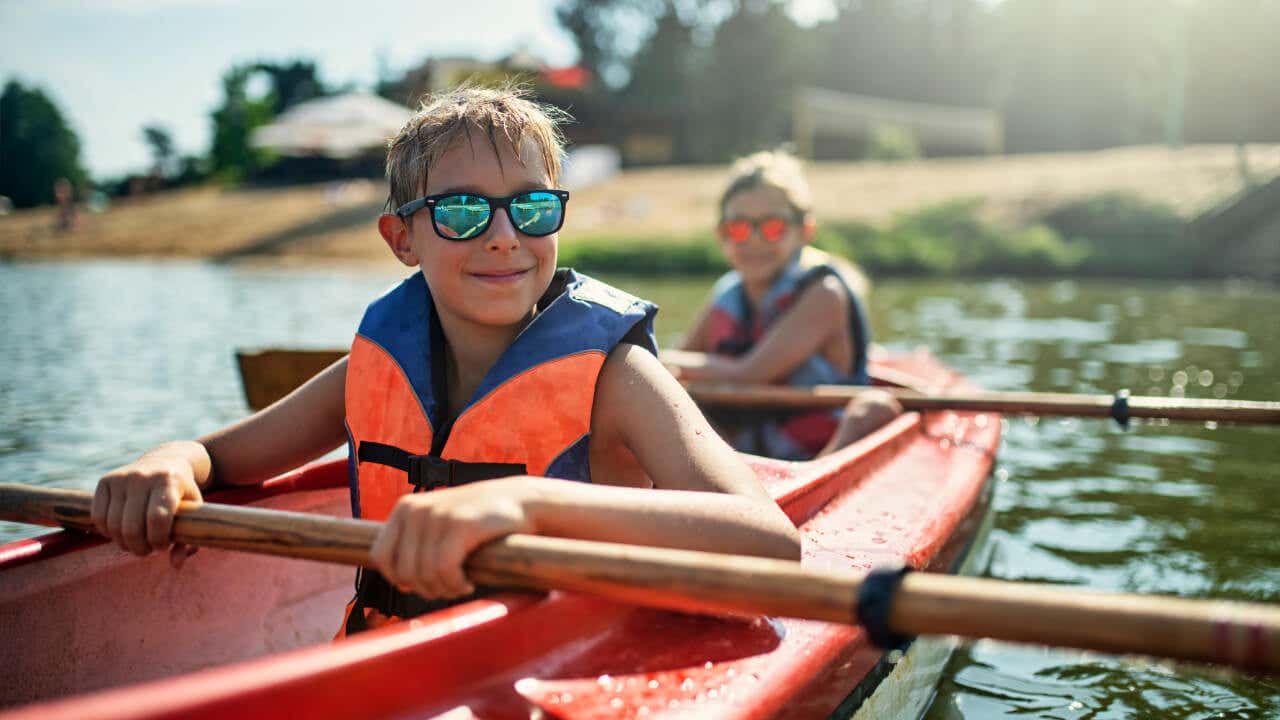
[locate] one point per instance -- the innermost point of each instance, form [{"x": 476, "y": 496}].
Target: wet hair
[
  {"x": 770, "y": 168},
  {"x": 502, "y": 114}
]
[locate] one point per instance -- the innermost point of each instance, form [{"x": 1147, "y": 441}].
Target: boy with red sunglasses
[
  {"x": 477, "y": 387},
  {"x": 786, "y": 313}
]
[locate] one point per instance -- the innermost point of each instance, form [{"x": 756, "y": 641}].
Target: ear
[
  {"x": 396, "y": 234},
  {"x": 809, "y": 227}
]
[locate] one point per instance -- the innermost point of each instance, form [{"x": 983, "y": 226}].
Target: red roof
[{"x": 574, "y": 77}]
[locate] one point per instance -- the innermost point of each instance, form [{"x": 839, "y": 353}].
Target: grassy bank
[{"x": 1115, "y": 235}]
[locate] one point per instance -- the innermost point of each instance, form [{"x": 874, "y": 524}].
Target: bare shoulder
[
  {"x": 828, "y": 292},
  {"x": 631, "y": 371}
]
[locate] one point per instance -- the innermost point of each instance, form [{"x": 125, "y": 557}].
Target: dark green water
[{"x": 99, "y": 361}]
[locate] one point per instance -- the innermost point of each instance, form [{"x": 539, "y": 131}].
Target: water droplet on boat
[
  {"x": 1075, "y": 705},
  {"x": 1180, "y": 379},
  {"x": 712, "y": 694},
  {"x": 654, "y": 684},
  {"x": 1156, "y": 374},
  {"x": 980, "y": 421},
  {"x": 1177, "y": 391},
  {"x": 944, "y": 443},
  {"x": 707, "y": 665},
  {"x": 730, "y": 672},
  {"x": 1205, "y": 378},
  {"x": 616, "y": 703},
  {"x": 687, "y": 685},
  {"x": 1210, "y": 425},
  {"x": 1002, "y": 474},
  {"x": 1236, "y": 379}
]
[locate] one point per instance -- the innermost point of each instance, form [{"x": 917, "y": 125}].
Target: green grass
[{"x": 1108, "y": 235}]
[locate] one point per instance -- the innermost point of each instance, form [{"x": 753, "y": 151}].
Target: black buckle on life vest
[{"x": 429, "y": 472}]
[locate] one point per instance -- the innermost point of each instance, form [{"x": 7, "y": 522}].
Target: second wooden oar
[
  {"x": 1237, "y": 634},
  {"x": 1121, "y": 406}
]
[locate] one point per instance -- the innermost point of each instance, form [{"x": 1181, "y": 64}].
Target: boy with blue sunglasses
[{"x": 476, "y": 387}]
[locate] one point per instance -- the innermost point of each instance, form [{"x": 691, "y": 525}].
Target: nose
[{"x": 502, "y": 235}]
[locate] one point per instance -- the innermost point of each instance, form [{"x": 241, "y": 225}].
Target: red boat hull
[{"x": 84, "y": 616}]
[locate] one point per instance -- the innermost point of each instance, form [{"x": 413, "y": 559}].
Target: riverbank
[{"x": 872, "y": 210}]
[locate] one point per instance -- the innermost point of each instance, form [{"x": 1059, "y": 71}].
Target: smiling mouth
[{"x": 501, "y": 275}]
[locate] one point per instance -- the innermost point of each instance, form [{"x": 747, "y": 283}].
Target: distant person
[
  {"x": 787, "y": 313},
  {"x": 64, "y": 196},
  {"x": 481, "y": 377}
]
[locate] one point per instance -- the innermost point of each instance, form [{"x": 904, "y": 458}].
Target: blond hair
[
  {"x": 498, "y": 113},
  {"x": 770, "y": 168}
]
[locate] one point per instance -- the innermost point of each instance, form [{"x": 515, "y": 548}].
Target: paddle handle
[
  {"x": 1047, "y": 404},
  {"x": 1237, "y": 634}
]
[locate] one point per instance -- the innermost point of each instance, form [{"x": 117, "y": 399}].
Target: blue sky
[{"x": 113, "y": 66}]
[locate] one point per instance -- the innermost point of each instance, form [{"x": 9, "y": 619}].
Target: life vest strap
[
  {"x": 428, "y": 472},
  {"x": 374, "y": 591}
]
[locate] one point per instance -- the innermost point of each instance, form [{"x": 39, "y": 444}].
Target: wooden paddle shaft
[
  {"x": 1240, "y": 411},
  {"x": 1237, "y": 634}
]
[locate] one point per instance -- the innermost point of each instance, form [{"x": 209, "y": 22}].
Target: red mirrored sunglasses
[{"x": 771, "y": 229}]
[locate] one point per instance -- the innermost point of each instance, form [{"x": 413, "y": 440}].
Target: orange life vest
[{"x": 530, "y": 415}]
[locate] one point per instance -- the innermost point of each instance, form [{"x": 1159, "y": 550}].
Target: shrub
[
  {"x": 1126, "y": 235},
  {"x": 891, "y": 142}
]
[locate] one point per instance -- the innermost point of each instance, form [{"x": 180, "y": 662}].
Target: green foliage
[
  {"x": 945, "y": 239},
  {"x": 36, "y": 147},
  {"x": 890, "y": 142},
  {"x": 1126, "y": 235},
  {"x": 951, "y": 239},
  {"x": 291, "y": 83},
  {"x": 231, "y": 158},
  {"x": 689, "y": 255}
]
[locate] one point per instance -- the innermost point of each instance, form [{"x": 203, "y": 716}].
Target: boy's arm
[
  {"x": 709, "y": 500},
  {"x": 135, "y": 504},
  {"x": 294, "y": 430},
  {"x": 819, "y": 312}
]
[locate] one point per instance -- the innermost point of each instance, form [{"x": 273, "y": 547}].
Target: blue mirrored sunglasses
[{"x": 462, "y": 216}]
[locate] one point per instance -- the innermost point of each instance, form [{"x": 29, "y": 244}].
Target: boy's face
[
  {"x": 493, "y": 279},
  {"x": 758, "y": 259}
]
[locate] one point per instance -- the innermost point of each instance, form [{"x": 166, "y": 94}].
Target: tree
[
  {"x": 757, "y": 58},
  {"x": 232, "y": 157},
  {"x": 291, "y": 83},
  {"x": 602, "y": 31},
  {"x": 160, "y": 141},
  {"x": 659, "y": 95},
  {"x": 36, "y": 147}
]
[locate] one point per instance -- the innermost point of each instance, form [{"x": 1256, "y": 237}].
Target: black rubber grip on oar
[
  {"x": 875, "y": 599},
  {"x": 1120, "y": 409}
]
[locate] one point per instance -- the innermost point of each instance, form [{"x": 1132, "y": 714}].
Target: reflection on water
[{"x": 99, "y": 361}]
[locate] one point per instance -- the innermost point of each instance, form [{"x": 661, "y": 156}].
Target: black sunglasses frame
[{"x": 495, "y": 203}]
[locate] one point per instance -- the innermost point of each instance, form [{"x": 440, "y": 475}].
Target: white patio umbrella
[{"x": 340, "y": 126}]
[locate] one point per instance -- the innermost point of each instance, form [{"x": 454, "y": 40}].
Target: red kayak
[{"x": 93, "y": 632}]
